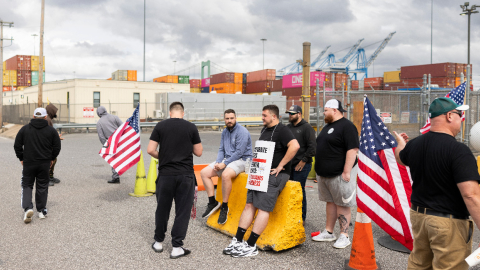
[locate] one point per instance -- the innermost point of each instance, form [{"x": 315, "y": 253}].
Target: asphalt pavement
[{"x": 95, "y": 225}]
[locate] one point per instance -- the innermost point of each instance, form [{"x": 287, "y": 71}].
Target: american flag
[
  {"x": 384, "y": 186},
  {"x": 457, "y": 95},
  {"x": 122, "y": 149}
]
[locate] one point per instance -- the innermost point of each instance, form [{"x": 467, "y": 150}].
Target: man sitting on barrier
[
  {"x": 235, "y": 149},
  {"x": 286, "y": 146}
]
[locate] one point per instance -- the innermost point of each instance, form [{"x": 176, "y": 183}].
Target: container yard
[{"x": 21, "y": 71}]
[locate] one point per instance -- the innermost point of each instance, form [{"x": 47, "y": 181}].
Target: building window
[
  {"x": 136, "y": 99},
  {"x": 96, "y": 99}
]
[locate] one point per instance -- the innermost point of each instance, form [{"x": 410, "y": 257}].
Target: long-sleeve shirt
[
  {"x": 235, "y": 144},
  {"x": 305, "y": 135}
]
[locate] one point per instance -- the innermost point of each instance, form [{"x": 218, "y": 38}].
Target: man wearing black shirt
[
  {"x": 337, "y": 146},
  {"x": 286, "y": 146},
  {"x": 302, "y": 162},
  {"x": 178, "y": 139},
  {"x": 445, "y": 190}
]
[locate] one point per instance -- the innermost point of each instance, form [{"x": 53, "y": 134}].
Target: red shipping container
[
  {"x": 9, "y": 88},
  {"x": 277, "y": 85},
  {"x": 374, "y": 82},
  {"x": 297, "y": 91},
  {"x": 261, "y": 75},
  {"x": 19, "y": 62},
  {"x": 259, "y": 87},
  {"x": 225, "y": 77},
  {"x": 462, "y": 68},
  {"x": 355, "y": 85},
  {"x": 436, "y": 70},
  {"x": 297, "y": 100},
  {"x": 195, "y": 83},
  {"x": 24, "y": 78}
]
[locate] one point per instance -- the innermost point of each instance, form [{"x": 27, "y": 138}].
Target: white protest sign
[{"x": 261, "y": 164}]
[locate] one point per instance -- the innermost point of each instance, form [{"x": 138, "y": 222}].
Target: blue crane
[{"x": 297, "y": 68}]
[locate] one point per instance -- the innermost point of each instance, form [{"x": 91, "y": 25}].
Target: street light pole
[
  {"x": 144, "y": 15},
  {"x": 263, "y": 42},
  {"x": 34, "y": 36},
  {"x": 467, "y": 11}
]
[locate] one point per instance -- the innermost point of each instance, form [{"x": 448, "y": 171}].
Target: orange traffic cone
[{"x": 362, "y": 255}]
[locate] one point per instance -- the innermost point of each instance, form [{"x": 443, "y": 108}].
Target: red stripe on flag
[
  {"x": 377, "y": 198},
  {"x": 124, "y": 139},
  {"x": 377, "y": 178},
  {"x": 127, "y": 148},
  {"x": 259, "y": 160}
]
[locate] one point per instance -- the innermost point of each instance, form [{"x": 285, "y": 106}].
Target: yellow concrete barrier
[{"x": 285, "y": 226}]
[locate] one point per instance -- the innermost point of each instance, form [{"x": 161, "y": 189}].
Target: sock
[
  {"x": 253, "y": 239},
  {"x": 225, "y": 205},
  {"x": 211, "y": 199},
  {"x": 329, "y": 232},
  {"x": 240, "y": 234}
]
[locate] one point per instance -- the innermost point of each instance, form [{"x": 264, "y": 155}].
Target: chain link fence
[{"x": 402, "y": 111}]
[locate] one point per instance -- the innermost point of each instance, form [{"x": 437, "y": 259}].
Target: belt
[{"x": 432, "y": 212}]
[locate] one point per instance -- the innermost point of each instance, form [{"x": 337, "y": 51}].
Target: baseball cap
[
  {"x": 294, "y": 109},
  {"x": 335, "y": 104},
  {"x": 40, "y": 112},
  {"x": 443, "y": 105}
]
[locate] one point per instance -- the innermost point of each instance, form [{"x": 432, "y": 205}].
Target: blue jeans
[{"x": 301, "y": 176}]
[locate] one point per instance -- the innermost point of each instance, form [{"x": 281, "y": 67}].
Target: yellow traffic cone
[
  {"x": 152, "y": 175},
  {"x": 140, "y": 180}
]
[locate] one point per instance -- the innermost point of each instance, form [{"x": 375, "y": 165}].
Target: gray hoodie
[{"x": 107, "y": 124}]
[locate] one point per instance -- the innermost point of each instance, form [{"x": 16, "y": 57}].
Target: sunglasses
[
  {"x": 292, "y": 113},
  {"x": 455, "y": 112}
]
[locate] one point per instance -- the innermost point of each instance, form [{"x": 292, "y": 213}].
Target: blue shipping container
[
  {"x": 206, "y": 89},
  {"x": 35, "y": 77}
]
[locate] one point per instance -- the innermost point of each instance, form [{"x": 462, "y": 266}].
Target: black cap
[{"x": 294, "y": 109}]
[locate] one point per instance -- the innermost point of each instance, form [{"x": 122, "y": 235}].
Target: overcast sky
[{"x": 93, "y": 38}]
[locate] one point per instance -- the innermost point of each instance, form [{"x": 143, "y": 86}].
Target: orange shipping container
[
  {"x": 167, "y": 79},
  {"x": 195, "y": 90},
  {"x": 238, "y": 78},
  {"x": 223, "y": 88},
  {"x": 238, "y": 87},
  {"x": 131, "y": 75}
]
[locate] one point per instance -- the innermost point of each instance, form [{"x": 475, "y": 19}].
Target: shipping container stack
[
  {"x": 226, "y": 83},
  {"x": 445, "y": 75},
  {"x": 292, "y": 87},
  {"x": 21, "y": 71},
  {"x": 261, "y": 81},
  {"x": 205, "y": 85},
  {"x": 195, "y": 86},
  {"x": 124, "y": 75},
  {"x": 167, "y": 79}
]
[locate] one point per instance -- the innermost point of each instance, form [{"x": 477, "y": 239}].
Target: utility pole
[
  {"x": 306, "y": 81},
  {"x": 263, "y": 43},
  {"x": 40, "y": 62},
  {"x": 2, "y": 24}
]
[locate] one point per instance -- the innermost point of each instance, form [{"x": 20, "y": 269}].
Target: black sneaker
[
  {"x": 211, "y": 208},
  {"x": 55, "y": 180},
  {"x": 51, "y": 183},
  {"x": 222, "y": 218},
  {"x": 114, "y": 181}
]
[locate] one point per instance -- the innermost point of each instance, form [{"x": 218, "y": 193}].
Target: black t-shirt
[
  {"x": 176, "y": 138},
  {"x": 437, "y": 164},
  {"x": 333, "y": 142},
  {"x": 281, "y": 136}
]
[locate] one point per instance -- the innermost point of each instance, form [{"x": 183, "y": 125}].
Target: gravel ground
[{"x": 95, "y": 225}]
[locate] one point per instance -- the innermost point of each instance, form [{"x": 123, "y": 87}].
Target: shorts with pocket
[
  {"x": 266, "y": 200},
  {"x": 238, "y": 166},
  {"x": 337, "y": 190}
]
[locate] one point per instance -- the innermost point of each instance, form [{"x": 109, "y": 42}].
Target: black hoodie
[
  {"x": 37, "y": 142},
  {"x": 305, "y": 135}
]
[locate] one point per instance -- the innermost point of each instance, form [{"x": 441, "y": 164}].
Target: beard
[
  {"x": 328, "y": 119},
  {"x": 293, "y": 119},
  {"x": 231, "y": 125}
]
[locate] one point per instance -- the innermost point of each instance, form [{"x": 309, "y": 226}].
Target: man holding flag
[
  {"x": 445, "y": 189},
  {"x": 106, "y": 126}
]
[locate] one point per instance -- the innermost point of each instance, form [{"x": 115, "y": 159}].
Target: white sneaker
[
  {"x": 244, "y": 250},
  {"x": 342, "y": 242},
  {"x": 232, "y": 247},
  {"x": 27, "y": 217},
  {"x": 157, "y": 246},
  {"x": 325, "y": 236},
  {"x": 42, "y": 214}
]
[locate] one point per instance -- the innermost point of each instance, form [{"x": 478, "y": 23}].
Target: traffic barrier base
[{"x": 285, "y": 225}]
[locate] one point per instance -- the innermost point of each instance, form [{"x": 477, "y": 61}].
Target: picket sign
[{"x": 259, "y": 171}]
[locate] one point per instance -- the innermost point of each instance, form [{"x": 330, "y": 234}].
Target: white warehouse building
[{"x": 77, "y": 99}]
